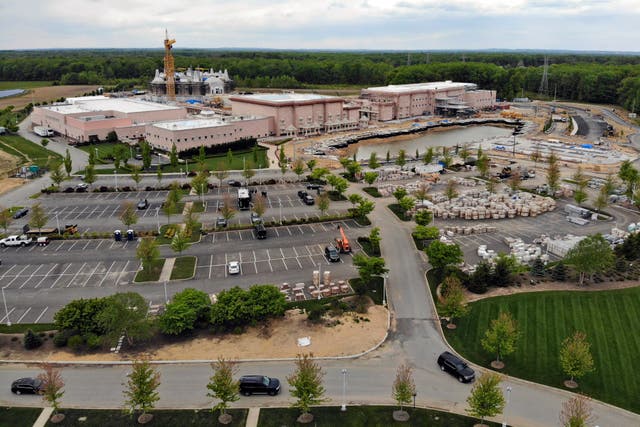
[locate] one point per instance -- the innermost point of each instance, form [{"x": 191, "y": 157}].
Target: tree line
[{"x": 598, "y": 78}]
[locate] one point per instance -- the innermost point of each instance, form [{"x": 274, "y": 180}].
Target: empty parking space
[
  {"x": 80, "y": 245},
  {"x": 69, "y": 275},
  {"x": 283, "y": 231}
]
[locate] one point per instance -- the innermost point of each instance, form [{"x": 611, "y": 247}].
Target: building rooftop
[
  {"x": 423, "y": 87},
  {"x": 90, "y": 104},
  {"x": 285, "y": 97},
  {"x": 200, "y": 123}
]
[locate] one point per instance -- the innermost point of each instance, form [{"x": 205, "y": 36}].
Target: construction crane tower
[{"x": 169, "y": 67}]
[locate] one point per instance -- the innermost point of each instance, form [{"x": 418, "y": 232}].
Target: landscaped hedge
[{"x": 372, "y": 191}]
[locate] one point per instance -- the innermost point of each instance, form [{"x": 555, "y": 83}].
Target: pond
[
  {"x": 443, "y": 138},
  {"x": 10, "y": 92}
]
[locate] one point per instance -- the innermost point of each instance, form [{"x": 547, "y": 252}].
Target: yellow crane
[{"x": 169, "y": 67}]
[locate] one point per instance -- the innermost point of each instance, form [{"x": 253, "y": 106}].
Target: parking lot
[
  {"x": 80, "y": 245},
  {"x": 552, "y": 223},
  {"x": 283, "y": 231}
]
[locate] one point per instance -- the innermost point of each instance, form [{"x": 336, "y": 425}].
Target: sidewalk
[
  {"x": 44, "y": 417},
  {"x": 252, "y": 417},
  {"x": 165, "y": 276}
]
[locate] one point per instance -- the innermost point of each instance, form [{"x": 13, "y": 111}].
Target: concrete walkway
[
  {"x": 165, "y": 276},
  {"x": 44, "y": 417},
  {"x": 252, "y": 417}
]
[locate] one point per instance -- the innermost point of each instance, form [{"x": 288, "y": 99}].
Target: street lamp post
[
  {"x": 4, "y": 300},
  {"x": 504, "y": 422},
  {"x": 166, "y": 298},
  {"x": 344, "y": 390},
  {"x": 280, "y": 204},
  {"x": 384, "y": 289},
  {"x": 158, "y": 217},
  {"x": 96, "y": 150},
  {"x": 414, "y": 399},
  {"x": 58, "y": 224},
  {"x": 115, "y": 177}
]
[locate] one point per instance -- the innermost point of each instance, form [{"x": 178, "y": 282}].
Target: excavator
[{"x": 342, "y": 243}]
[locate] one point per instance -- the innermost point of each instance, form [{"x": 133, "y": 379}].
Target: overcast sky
[{"x": 609, "y": 25}]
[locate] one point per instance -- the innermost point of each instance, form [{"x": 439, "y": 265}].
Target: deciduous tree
[
  {"x": 180, "y": 242},
  {"x": 403, "y": 387},
  {"x": 591, "y": 255},
  {"x": 306, "y": 383},
  {"x": 575, "y": 356},
  {"x": 501, "y": 337},
  {"x": 369, "y": 266},
  {"x": 52, "y": 385},
  {"x": 370, "y": 177},
  {"x": 577, "y": 412},
  {"x": 5, "y": 218},
  {"x": 223, "y": 387},
  {"x": 141, "y": 389},
  {"x": 57, "y": 176},
  {"x": 147, "y": 251},
  {"x": 38, "y": 218},
  {"x": 373, "y": 161},
  {"x": 453, "y": 303},
  {"x": 441, "y": 254},
  {"x": 128, "y": 214},
  {"x": 227, "y": 210},
  {"x": 486, "y": 399},
  {"x": 125, "y": 314},
  {"x": 323, "y": 203}
]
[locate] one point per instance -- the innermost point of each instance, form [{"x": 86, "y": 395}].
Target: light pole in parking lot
[
  {"x": 58, "y": 224},
  {"x": 158, "y": 217},
  {"x": 4, "y": 300},
  {"x": 344, "y": 390},
  {"x": 280, "y": 204},
  {"x": 504, "y": 422},
  {"x": 166, "y": 298},
  {"x": 115, "y": 177},
  {"x": 384, "y": 276}
]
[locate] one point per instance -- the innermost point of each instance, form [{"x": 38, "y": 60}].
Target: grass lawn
[
  {"x": 610, "y": 319},
  {"x": 184, "y": 268},
  {"x": 374, "y": 288},
  {"x": 152, "y": 274},
  {"x": 117, "y": 418},
  {"x": 6, "y": 85},
  {"x": 18, "y": 328},
  {"x": 105, "y": 149},
  {"x": 358, "y": 416},
  {"x": 396, "y": 209},
  {"x": 166, "y": 240},
  {"x": 18, "y": 417},
  {"x": 369, "y": 248},
  {"x": 28, "y": 151},
  {"x": 372, "y": 191}
]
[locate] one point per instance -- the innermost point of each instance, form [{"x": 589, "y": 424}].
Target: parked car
[
  {"x": 302, "y": 194},
  {"x": 221, "y": 222},
  {"x": 234, "y": 183},
  {"x": 143, "y": 204},
  {"x": 308, "y": 200},
  {"x": 254, "y": 384},
  {"x": 26, "y": 385},
  {"x": 138, "y": 156},
  {"x": 255, "y": 218},
  {"x": 313, "y": 186},
  {"x": 82, "y": 187},
  {"x": 21, "y": 240},
  {"x": 455, "y": 366},
  {"x": 233, "y": 267},
  {"x": 331, "y": 253},
  {"x": 261, "y": 231},
  {"x": 20, "y": 213}
]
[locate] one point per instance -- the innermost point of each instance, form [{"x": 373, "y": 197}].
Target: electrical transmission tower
[{"x": 544, "y": 83}]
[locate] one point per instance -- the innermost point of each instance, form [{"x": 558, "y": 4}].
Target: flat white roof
[
  {"x": 412, "y": 87},
  {"x": 196, "y": 123},
  {"x": 92, "y": 104},
  {"x": 286, "y": 97}
]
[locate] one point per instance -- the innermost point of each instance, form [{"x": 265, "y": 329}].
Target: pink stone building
[
  {"x": 417, "y": 99},
  {"x": 296, "y": 114},
  {"x": 91, "y": 118}
]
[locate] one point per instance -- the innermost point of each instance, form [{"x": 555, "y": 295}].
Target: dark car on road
[
  {"x": 259, "y": 384},
  {"x": 457, "y": 367},
  {"x": 26, "y": 386},
  {"x": 20, "y": 213}
]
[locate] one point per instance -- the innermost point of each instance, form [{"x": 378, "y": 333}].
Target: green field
[
  {"x": 184, "y": 268},
  {"x": 4, "y": 85},
  {"x": 161, "y": 418},
  {"x": 28, "y": 152},
  {"x": 611, "y": 320},
  {"x": 18, "y": 417},
  {"x": 358, "y": 416}
]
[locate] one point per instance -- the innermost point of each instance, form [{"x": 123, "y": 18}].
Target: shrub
[
  {"x": 92, "y": 340},
  {"x": 31, "y": 340},
  {"x": 75, "y": 342},
  {"x": 60, "y": 339}
]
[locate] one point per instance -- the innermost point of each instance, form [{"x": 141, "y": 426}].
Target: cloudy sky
[{"x": 609, "y": 25}]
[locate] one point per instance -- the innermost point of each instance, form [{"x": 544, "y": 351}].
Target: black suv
[
  {"x": 331, "y": 253},
  {"x": 302, "y": 194},
  {"x": 253, "y": 384},
  {"x": 221, "y": 222},
  {"x": 20, "y": 213},
  {"x": 26, "y": 385},
  {"x": 457, "y": 367}
]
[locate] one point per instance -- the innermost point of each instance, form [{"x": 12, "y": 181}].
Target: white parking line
[
  {"x": 121, "y": 273},
  {"x": 92, "y": 273},
  {"x": 59, "y": 277},
  {"x": 107, "y": 273},
  {"x": 210, "y": 265},
  {"x": 269, "y": 260},
  {"x": 240, "y": 234},
  {"x": 276, "y": 230},
  {"x": 99, "y": 244},
  {"x": 80, "y": 213},
  {"x": 24, "y": 314},
  {"x": 7, "y": 315},
  {"x": 289, "y": 230},
  {"x": 85, "y": 246},
  {"x": 45, "y": 276},
  {"x": 74, "y": 243},
  {"x": 59, "y": 246},
  {"x": 41, "y": 314},
  {"x": 32, "y": 274}
]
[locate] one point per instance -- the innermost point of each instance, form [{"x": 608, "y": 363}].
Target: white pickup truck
[{"x": 21, "y": 240}]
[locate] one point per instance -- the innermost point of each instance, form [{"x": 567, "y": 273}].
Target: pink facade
[
  {"x": 297, "y": 114},
  {"x": 186, "y": 134}
]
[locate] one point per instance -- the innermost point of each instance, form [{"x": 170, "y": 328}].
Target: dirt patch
[
  {"x": 352, "y": 335},
  {"x": 46, "y": 94}
]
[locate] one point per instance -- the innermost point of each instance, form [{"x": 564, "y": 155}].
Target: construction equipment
[
  {"x": 169, "y": 67},
  {"x": 342, "y": 243}
]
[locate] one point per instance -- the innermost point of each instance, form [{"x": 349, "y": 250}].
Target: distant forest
[{"x": 597, "y": 78}]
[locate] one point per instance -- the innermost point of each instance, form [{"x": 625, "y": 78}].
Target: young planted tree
[
  {"x": 141, "y": 392},
  {"x": 453, "y": 303},
  {"x": 92, "y": 155},
  {"x": 553, "y": 172},
  {"x": 221, "y": 173},
  {"x": 306, "y": 385},
  {"x": 180, "y": 242},
  {"x": 38, "y": 218},
  {"x": 147, "y": 252},
  {"x": 159, "y": 176},
  {"x": 364, "y": 208},
  {"x": 298, "y": 167},
  {"x": 514, "y": 181},
  {"x": 399, "y": 193},
  {"x": 135, "y": 175},
  {"x": 128, "y": 214},
  {"x": 145, "y": 151},
  {"x": 406, "y": 204},
  {"x": 311, "y": 164},
  {"x": 5, "y": 218},
  {"x": 441, "y": 255},
  {"x": 169, "y": 207},
  {"x": 575, "y": 358},
  {"x": 67, "y": 162},
  {"x": 501, "y": 338},
  {"x": 388, "y": 157},
  {"x": 421, "y": 192},
  {"x": 370, "y": 177},
  {"x": 248, "y": 172},
  {"x": 403, "y": 391},
  {"x": 52, "y": 388},
  {"x": 369, "y": 267},
  {"x": 323, "y": 203},
  {"x": 282, "y": 161},
  {"x": 374, "y": 239},
  {"x": 227, "y": 210},
  {"x": 486, "y": 399},
  {"x": 581, "y": 181},
  {"x": 630, "y": 176},
  {"x": 373, "y": 161},
  {"x": 345, "y": 162},
  {"x": 57, "y": 176},
  {"x": 423, "y": 217},
  {"x": 577, "y": 412},
  {"x": 89, "y": 174},
  {"x": 173, "y": 156},
  {"x": 451, "y": 190},
  {"x": 229, "y": 157},
  {"x": 354, "y": 199},
  {"x": 223, "y": 387},
  {"x": 402, "y": 158},
  {"x": 428, "y": 156},
  {"x": 591, "y": 255},
  {"x": 259, "y": 205},
  {"x": 491, "y": 184},
  {"x": 536, "y": 156},
  {"x": 602, "y": 201}
]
